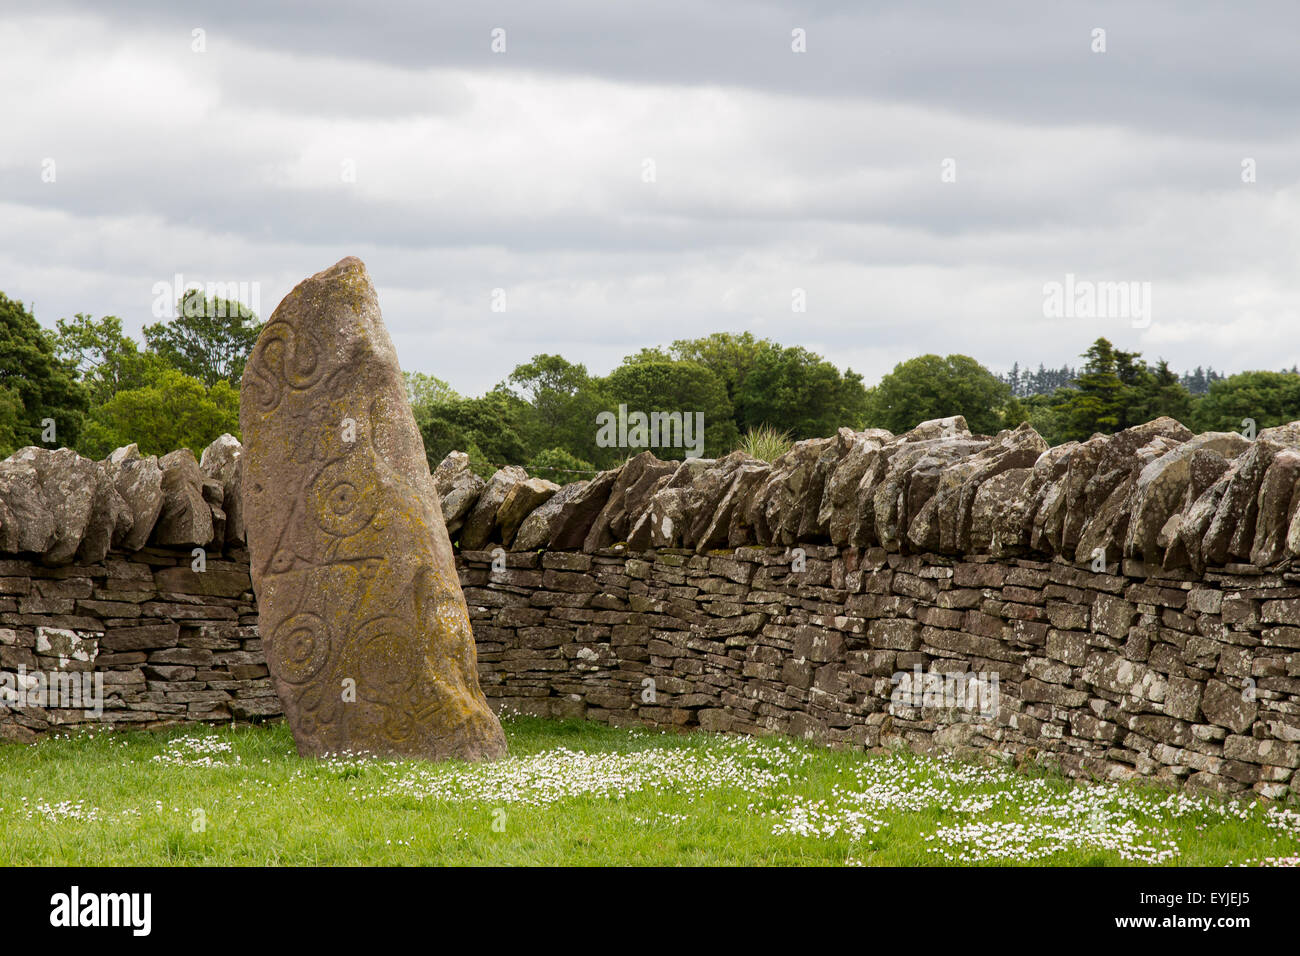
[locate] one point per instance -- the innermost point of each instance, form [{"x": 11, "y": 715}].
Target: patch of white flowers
[
  {"x": 1288, "y": 821},
  {"x": 827, "y": 818},
  {"x": 76, "y": 810},
  {"x": 194, "y": 750},
  {"x": 751, "y": 765},
  {"x": 1003, "y": 816}
]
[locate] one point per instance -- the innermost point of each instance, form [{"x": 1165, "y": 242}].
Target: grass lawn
[{"x": 574, "y": 792}]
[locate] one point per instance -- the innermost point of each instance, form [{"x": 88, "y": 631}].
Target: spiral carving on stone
[
  {"x": 283, "y": 358},
  {"x": 299, "y": 648}
]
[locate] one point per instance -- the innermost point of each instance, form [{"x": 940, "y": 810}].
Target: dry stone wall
[
  {"x": 1183, "y": 678},
  {"x": 1123, "y": 606},
  {"x": 133, "y": 640}
]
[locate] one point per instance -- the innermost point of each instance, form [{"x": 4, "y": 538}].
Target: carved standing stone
[{"x": 366, "y": 631}]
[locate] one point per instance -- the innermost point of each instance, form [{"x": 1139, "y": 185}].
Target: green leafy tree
[
  {"x": 1043, "y": 412},
  {"x": 659, "y": 385},
  {"x": 1158, "y": 391},
  {"x": 489, "y": 424},
  {"x": 727, "y": 355},
  {"x": 174, "y": 411},
  {"x": 1096, "y": 402},
  {"x": 39, "y": 385},
  {"x": 1267, "y": 398},
  {"x": 561, "y": 404},
  {"x": 106, "y": 359},
  {"x": 559, "y": 466},
  {"x": 209, "y": 339},
  {"x": 795, "y": 390},
  {"x": 1117, "y": 390},
  {"x": 424, "y": 392},
  {"x": 11, "y": 420},
  {"x": 929, "y": 387}
]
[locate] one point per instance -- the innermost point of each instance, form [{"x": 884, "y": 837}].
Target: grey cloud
[{"x": 1205, "y": 69}]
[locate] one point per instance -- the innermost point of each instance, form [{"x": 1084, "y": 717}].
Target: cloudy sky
[{"x": 632, "y": 173}]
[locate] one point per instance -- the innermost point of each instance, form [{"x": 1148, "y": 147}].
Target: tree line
[
  {"x": 1024, "y": 383},
  {"x": 179, "y": 387}
]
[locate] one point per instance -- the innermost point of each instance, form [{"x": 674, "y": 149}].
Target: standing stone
[{"x": 366, "y": 631}]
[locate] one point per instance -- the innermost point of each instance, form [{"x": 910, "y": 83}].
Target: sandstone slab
[{"x": 366, "y": 630}]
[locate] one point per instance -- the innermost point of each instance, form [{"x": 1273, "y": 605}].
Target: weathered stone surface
[
  {"x": 26, "y": 521},
  {"x": 1100, "y": 483},
  {"x": 997, "y": 513},
  {"x": 776, "y": 508},
  {"x": 1228, "y": 706},
  {"x": 740, "y": 498},
  {"x": 1194, "y": 524},
  {"x": 627, "y": 498},
  {"x": 954, "y": 426},
  {"x": 1153, "y": 492},
  {"x": 665, "y": 519},
  {"x": 366, "y": 630},
  {"x": 1105, "y": 528},
  {"x": 458, "y": 489},
  {"x": 1102, "y": 464},
  {"x": 812, "y": 527},
  {"x": 838, "y": 511},
  {"x": 719, "y": 528},
  {"x": 537, "y": 530},
  {"x": 1277, "y": 506},
  {"x": 482, "y": 520},
  {"x": 705, "y": 495},
  {"x": 1045, "y": 492},
  {"x": 186, "y": 517},
  {"x": 110, "y": 517},
  {"x": 570, "y": 525},
  {"x": 960, "y": 483},
  {"x": 862, "y": 525},
  {"x": 220, "y": 582},
  {"x": 520, "y": 502},
  {"x": 223, "y": 461},
  {"x": 1205, "y": 468},
  {"x": 1232, "y": 531},
  {"x": 67, "y": 483},
  {"x": 910, "y": 482},
  {"x": 1161, "y": 488},
  {"x": 138, "y": 481}
]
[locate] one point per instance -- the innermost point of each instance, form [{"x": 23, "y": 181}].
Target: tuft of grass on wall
[{"x": 765, "y": 443}]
